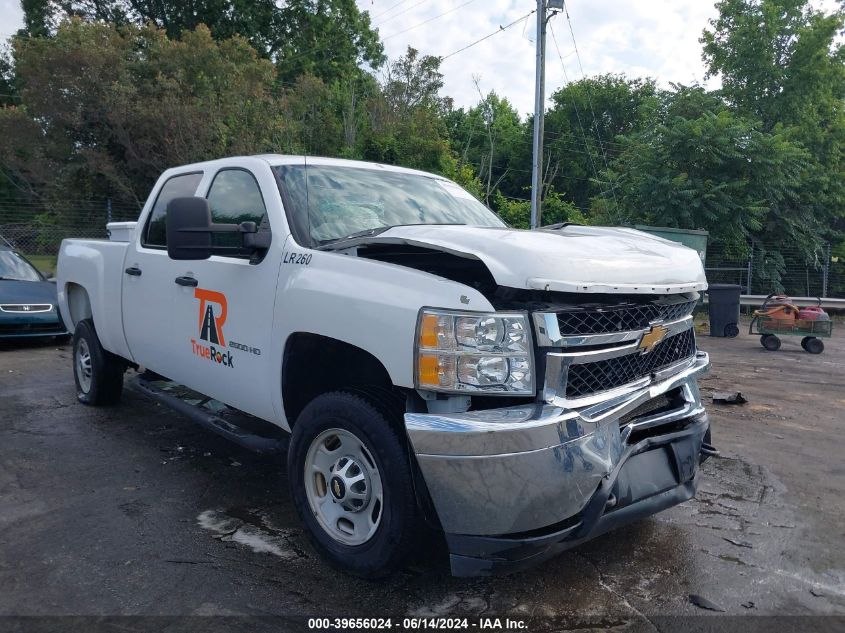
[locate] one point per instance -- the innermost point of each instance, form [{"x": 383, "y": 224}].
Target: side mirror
[{"x": 188, "y": 229}]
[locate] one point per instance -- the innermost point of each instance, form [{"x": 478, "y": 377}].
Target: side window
[
  {"x": 235, "y": 197},
  {"x": 182, "y": 186}
]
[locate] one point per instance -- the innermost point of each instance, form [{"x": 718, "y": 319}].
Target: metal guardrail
[{"x": 828, "y": 303}]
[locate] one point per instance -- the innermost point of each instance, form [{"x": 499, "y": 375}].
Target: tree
[
  {"x": 705, "y": 166},
  {"x": 406, "y": 117},
  {"x": 105, "y": 110},
  {"x": 326, "y": 38},
  {"x": 488, "y": 137},
  {"x": 782, "y": 63},
  {"x": 581, "y": 128}
]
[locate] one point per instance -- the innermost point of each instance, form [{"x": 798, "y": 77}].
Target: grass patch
[{"x": 45, "y": 263}]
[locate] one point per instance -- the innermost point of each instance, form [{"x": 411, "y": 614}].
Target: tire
[
  {"x": 814, "y": 345},
  {"x": 387, "y": 524},
  {"x": 804, "y": 342},
  {"x": 98, "y": 374},
  {"x": 770, "y": 342},
  {"x": 731, "y": 330}
]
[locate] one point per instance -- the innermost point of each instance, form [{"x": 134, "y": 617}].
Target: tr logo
[{"x": 211, "y": 326}]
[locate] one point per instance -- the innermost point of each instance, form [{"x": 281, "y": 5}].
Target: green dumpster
[{"x": 695, "y": 239}]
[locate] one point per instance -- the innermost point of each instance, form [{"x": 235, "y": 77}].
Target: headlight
[{"x": 462, "y": 352}]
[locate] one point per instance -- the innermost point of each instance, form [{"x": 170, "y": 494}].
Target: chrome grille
[
  {"x": 26, "y": 307},
  {"x": 605, "y": 320},
  {"x": 590, "y": 378}
]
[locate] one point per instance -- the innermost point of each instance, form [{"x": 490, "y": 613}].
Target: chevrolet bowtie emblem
[{"x": 652, "y": 338}]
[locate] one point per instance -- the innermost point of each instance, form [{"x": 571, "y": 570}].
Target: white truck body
[{"x": 150, "y": 320}]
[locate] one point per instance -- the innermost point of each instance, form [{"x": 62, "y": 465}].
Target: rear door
[
  {"x": 148, "y": 289},
  {"x": 222, "y": 323}
]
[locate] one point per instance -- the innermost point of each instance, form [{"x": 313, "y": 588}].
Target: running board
[{"x": 241, "y": 428}]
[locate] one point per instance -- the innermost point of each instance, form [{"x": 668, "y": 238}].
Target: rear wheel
[
  {"x": 351, "y": 484},
  {"x": 98, "y": 374},
  {"x": 814, "y": 345},
  {"x": 770, "y": 342},
  {"x": 731, "y": 330}
]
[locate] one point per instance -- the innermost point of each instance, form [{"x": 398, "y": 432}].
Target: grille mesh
[
  {"x": 590, "y": 378},
  {"x": 619, "y": 318}
]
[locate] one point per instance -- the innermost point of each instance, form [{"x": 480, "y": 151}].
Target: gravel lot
[{"x": 132, "y": 510}]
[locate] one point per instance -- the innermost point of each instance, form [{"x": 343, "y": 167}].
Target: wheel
[
  {"x": 352, "y": 486},
  {"x": 770, "y": 342},
  {"x": 731, "y": 330},
  {"x": 98, "y": 374},
  {"x": 804, "y": 342},
  {"x": 813, "y": 345}
]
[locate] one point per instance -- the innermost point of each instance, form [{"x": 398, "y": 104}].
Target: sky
[{"x": 640, "y": 38}]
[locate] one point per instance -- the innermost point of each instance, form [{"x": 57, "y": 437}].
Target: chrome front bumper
[{"x": 533, "y": 467}]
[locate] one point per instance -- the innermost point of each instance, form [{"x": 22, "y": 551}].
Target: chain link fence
[
  {"x": 37, "y": 229},
  {"x": 776, "y": 268}
]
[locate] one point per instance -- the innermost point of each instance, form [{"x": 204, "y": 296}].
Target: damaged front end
[{"x": 616, "y": 433}]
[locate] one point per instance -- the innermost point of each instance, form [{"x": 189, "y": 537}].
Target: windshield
[
  {"x": 13, "y": 266},
  {"x": 331, "y": 202}
]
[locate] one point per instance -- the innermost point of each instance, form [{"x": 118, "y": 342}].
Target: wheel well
[
  {"x": 78, "y": 303},
  {"x": 315, "y": 364}
]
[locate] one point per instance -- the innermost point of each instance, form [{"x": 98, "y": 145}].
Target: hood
[
  {"x": 571, "y": 259},
  {"x": 12, "y": 291}
]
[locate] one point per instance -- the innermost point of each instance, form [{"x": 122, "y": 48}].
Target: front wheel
[
  {"x": 352, "y": 486},
  {"x": 770, "y": 342},
  {"x": 98, "y": 373}
]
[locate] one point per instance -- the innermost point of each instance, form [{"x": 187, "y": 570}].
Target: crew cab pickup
[{"x": 422, "y": 364}]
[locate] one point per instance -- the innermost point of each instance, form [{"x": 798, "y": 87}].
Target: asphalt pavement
[{"x": 133, "y": 510}]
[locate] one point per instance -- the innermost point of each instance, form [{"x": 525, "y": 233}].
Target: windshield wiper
[{"x": 330, "y": 244}]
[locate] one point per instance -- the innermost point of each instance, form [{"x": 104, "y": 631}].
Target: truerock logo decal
[{"x": 211, "y": 327}]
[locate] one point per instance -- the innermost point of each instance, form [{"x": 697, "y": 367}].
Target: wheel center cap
[{"x": 338, "y": 488}]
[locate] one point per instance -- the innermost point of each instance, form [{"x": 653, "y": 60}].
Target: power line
[
  {"x": 411, "y": 28},
  {"x": 589, "y": 94},
  {"x": 501, "y": 28},
  {"x": 378, "y": 15},
  {"x": 396, "y": 15},
  {"x": 577, "y": 114}
]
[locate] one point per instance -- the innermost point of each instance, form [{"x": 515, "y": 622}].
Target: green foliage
[
  {"x": 107, "y": 109},
  {"x": 324, "y": 38},
  {"x": 100, "y": 104},
  {"x": 705, "y": 166},
  {"x": 517, "y": 213}
]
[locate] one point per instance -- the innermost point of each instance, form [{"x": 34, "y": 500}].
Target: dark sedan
[{"x": 28, "y": 302}]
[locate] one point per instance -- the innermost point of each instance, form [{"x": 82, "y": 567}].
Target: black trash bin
[{"x": 723, "y": 301}]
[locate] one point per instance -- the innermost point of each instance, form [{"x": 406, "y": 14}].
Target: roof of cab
[{"x": 285, "y": 159}]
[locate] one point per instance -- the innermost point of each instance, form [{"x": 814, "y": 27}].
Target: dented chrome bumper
[{"x": 496, "y": 475}]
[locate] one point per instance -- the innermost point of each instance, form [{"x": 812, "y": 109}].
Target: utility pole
[
  {"x": 539, "y": 115},
  {"x": 543, "y": 7}
]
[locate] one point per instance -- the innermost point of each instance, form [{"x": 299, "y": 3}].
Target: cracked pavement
[{"x": 133, "y": 510}]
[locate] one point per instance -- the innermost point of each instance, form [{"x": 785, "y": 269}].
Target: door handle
[
  {"x": 187, "y": 281},
  {"x": 134, "y": 271}
]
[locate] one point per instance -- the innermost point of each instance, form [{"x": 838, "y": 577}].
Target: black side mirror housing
[{"x": 188, "y": 229}]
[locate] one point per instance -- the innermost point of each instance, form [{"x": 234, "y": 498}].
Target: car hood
[
  {"x": 12, "y": 291},
  {"x": 572, "y": 259}
]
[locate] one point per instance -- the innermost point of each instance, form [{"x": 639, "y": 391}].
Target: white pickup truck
[{"x": 520, "y": 391}]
